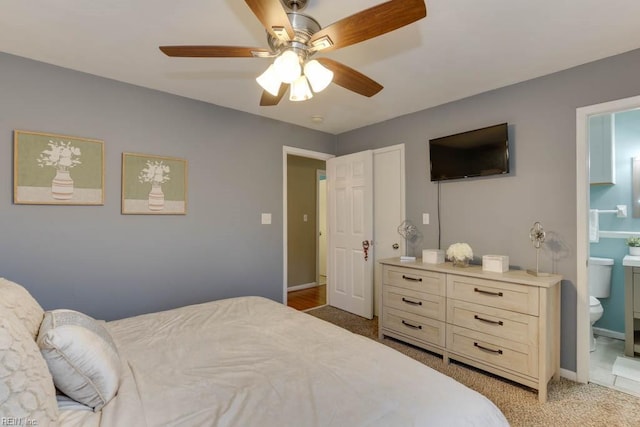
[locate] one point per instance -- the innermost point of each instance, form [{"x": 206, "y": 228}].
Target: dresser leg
[{"x": 542, "y": 394}]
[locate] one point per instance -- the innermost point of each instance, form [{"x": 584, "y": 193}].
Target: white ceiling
[{"x": 462, "y": 47}]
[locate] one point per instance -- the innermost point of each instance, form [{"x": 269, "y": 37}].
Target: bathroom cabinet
[
  {"x": 601, "y": 150},
  {"x": 504, "y": 323},
  {"x": 632, "y": 310}
]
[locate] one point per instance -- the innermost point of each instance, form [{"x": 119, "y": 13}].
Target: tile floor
[{"x": 601, "y": 364}]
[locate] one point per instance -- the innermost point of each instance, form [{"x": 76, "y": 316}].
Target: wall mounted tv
[{"x": 480, "y": 152}]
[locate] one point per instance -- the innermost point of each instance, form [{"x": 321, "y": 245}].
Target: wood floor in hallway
[{"x": 305, "y": 299}]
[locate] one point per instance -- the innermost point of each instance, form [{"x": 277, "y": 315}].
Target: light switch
[
  {"x": 266, "y": 218},
  {"x": 305, "y": 218},
  {"x": 425, "y": 218}
]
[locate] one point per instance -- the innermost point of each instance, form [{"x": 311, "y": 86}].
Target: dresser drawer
[
  {"x": 522, "y": 328},
  {"x": 414, "y": 279},
  {"x": 499, "y": 352},
  {"x": 504, "y": 295},
  {"x": 420, "y": 303},
  {"x": 418, "y": 327}
]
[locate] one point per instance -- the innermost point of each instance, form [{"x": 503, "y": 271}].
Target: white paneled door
[{"x": 350, "y": 259}]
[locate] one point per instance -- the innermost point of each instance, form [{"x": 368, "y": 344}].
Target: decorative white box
[
  {"x": 495, "y": 263},
  {"x": 432, "y": 256}
]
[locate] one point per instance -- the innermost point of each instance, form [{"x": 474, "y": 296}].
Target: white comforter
[{"x": 253, "y": 362}]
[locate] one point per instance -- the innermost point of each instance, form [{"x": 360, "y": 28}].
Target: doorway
[
  {"x": 303, "y": 223},
  {"x": 583, "y": 333},
  {"x": 389, "y": 211}
]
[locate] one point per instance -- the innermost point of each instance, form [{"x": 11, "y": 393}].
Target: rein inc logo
[{"x": 17, "y": 421}]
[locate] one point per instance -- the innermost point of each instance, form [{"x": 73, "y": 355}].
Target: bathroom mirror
[{"x": 635, "y": 186}]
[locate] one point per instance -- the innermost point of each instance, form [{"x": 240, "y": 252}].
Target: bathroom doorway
[{"x": 607, "y": 365}]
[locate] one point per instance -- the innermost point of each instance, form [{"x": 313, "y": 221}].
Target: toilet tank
[{"x": 600, "y": 277}]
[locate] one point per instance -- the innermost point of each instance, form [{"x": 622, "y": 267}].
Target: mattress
[{"x": 254, "y": 362}]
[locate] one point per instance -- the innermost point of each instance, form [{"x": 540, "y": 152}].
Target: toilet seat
[{"x": 593, "y": 301}]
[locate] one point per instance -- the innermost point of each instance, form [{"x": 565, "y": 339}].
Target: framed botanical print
[
  {"x": 153, "y": 185},
  {"x": 50, "y": 169}
]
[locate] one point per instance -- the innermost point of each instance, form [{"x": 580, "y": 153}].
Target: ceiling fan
[{"x": 294, "y": 38}]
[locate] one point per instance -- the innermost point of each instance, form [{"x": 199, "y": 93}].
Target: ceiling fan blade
[
  {"x": 214, "y": 51},
  {"x": 351, "y": 79},
  {"x": 268, "y": 100},
  {"x": 273, "y": 16},
  {"x": 368, "y": 24}
]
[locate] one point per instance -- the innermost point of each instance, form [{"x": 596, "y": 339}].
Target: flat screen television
[{"x": 480, "y": 152}]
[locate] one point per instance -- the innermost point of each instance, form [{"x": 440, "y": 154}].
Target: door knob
[{"x": 395, "y": 246}]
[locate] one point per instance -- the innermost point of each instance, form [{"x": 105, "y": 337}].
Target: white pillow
[
  {"x": 18, "y": 300},
  {"x": 27, "y": 393},
  {"x": 81, "y": 355}
]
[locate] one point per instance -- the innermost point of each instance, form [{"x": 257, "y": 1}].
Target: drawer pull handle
[
  {"x": 480, "y": 291},
  {"x": 405, "y": 323},
  {"x": 408, "y": 301},
  {"x": 413, "y": 279},
  {"x": 490, "y": 350},
  {"x": 494, "y": 322}
]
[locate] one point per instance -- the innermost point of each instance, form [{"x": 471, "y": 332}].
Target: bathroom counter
[{"x": 631, "y": 261}]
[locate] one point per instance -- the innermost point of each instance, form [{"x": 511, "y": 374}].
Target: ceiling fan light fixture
[
  {"x": 300, "y": 90},
  {"x": 287, "y": 66},
  {"x": 318, "y": 75},
  {"x": 270, "y": 81}
]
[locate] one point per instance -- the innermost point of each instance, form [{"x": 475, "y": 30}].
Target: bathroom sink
[{"x": 631, "y": 261}]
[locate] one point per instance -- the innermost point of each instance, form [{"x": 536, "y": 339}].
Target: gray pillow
[{"x": 81, "y": 355}]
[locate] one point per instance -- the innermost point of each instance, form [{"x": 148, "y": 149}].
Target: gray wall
[
  {"x": 494, "y": 215},
  {"x": 92, "y": 258}
]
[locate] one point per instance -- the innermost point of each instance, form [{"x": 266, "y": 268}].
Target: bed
[{"x": 245, "y": 361}]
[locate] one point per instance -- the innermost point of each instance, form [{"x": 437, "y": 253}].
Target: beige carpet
[{"x": 569, "y": 404}]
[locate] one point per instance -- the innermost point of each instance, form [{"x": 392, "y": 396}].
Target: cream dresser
[{"x": 504, "y": 323}]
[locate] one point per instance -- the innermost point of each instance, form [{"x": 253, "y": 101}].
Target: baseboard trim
[
  {"x": 609, "y": 333},
  {"x": 301, "y": 287},
  {"x": 570, "y": 375}
]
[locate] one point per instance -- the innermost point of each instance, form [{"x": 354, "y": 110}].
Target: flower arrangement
[
  {"x": 633, "y": 242},
  {"x": 156, "y": 172},
  {"x": 61, "y": 155},
  {"x": 460, "y": 253}
]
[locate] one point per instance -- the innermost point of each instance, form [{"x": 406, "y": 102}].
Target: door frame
[
  {"x": 286, "y": 151},
  {"x": 582, "y": 224}
]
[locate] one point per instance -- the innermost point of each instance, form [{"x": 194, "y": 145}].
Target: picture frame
[
  {"x": 153, "y": 185},
  {"x": 52, "y": 169}
]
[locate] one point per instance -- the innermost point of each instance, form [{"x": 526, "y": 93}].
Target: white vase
[
  {"x": 634, "y": 250},
  {"x": 62, "y": 186},
  {"x": 156, "y": 198}
]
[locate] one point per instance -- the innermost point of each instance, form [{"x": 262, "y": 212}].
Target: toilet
[{"x": 599, "y": 287}]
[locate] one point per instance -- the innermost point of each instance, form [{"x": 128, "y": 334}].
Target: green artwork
[
  {"x": 57, "y": 169},
  {"x": 153, "y": 184}
]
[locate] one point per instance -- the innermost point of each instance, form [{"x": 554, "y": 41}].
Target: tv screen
[{"x": 480, "y": 152}]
